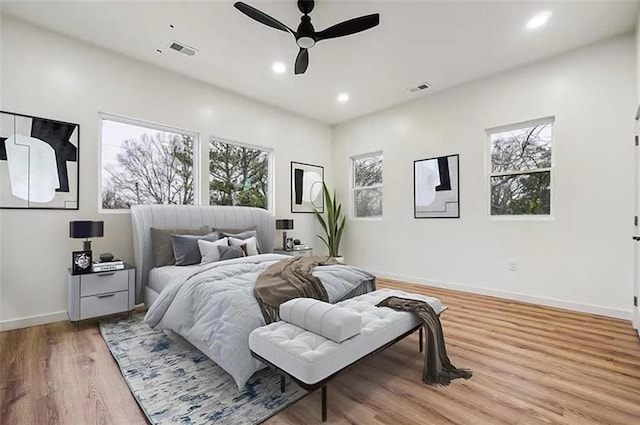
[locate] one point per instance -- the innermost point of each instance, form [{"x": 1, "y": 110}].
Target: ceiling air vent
[
  {"x": 420, "y": 87},
  {"x": 183, "y": 48}
]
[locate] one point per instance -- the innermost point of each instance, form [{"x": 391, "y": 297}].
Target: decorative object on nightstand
[
  {"x": 81, "y": 262},
  {"x": 99, "y": 294},
  {"x": 284, "y": 224}
]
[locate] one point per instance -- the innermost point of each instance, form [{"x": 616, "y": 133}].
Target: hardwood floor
[{"x": 531, "y": 365}]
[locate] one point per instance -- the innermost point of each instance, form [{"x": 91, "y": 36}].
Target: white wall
[
  {"x": 583, "y": 258},
  {"x": 49, "y": 75}
]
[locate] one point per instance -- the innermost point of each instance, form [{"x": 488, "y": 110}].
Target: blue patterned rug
[{"x": 174, "y": 383}]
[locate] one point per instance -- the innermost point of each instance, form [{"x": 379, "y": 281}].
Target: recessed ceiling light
[
  {"x": 279, "y": 67},
  {"x": 158, "y": 50},
  {"x": 343, "y": 97},
  {"x": 539, "y": 19}
]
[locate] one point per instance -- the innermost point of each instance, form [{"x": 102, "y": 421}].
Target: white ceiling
[{"x": 444, "y": 43}]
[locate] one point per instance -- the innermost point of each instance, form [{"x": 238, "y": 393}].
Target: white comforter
[{"x": 216, "y": 306}]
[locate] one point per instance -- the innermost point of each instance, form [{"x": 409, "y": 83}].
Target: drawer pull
[
  {"x": 106, "y": 274},
  {"x": 106, "y": 295}
]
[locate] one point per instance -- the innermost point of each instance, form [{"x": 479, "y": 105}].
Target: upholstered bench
[{"x": 312, "y": 360}]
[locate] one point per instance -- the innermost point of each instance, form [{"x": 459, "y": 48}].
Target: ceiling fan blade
[
  {"x": 302, "y": 61},
  {"x": 262, "y": 17},
  {"x": 349, "y": 27}
]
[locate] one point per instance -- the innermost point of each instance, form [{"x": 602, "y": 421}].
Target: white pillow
[
  {"x": 329, "y": 320},
  {"x": 209, "y": 250},
  {"x": 252, "y": 244}
]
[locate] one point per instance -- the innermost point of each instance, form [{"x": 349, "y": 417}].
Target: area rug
[{"x": 174, "y": 383}]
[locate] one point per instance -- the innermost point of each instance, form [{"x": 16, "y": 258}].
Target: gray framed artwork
[
  {"x": 39, "y": 163},
  {"x": 306, "y": 188},
  {"x": 436, "y": 192}
]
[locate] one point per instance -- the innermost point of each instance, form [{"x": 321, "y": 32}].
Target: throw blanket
[
  {"x": 438, "y": 370},
  {"x": 289, "y": 279}
]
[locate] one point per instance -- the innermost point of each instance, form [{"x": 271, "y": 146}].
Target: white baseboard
[
  {"x": 25, "y": 322},
  {"x": 549, "y": 302}
]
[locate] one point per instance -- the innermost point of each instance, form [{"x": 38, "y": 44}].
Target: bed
[{"x": 212, "y": 305}]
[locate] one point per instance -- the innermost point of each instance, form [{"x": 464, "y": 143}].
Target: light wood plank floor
[{"x": 531, "y": 365}]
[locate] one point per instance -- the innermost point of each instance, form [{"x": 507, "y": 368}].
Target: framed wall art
[
  {"x": 436, "y": 192},
  {"x": 39, "y": 163},
  {"x": 306, "y": 187}
]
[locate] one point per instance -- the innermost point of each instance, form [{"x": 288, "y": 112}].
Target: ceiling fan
[{"x": 306, "y": 36}]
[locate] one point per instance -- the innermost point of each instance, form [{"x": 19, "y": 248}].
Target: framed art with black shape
[
  {"x": 81, "y": 262},
  {"x": 306, "y": 188},
  {"x": 39, "y": 163},
  {"x": 436, "y": 191}
]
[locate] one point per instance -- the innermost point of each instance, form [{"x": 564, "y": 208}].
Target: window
[
  {"x": 367, "y": 185},
  {"x": 238, "y": 174},
  {"x": 145, "y": 163},
  {"x": 521, "y": 166}
]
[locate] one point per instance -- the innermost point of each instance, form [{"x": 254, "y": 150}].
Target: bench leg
[
  {"x": 421, "y": 332},
  {"x": 281, "y": 383},
  {"x": 324, "y": 404}
]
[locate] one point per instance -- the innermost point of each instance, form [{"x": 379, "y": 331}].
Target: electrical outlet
[{"x": 513, "y": 265}]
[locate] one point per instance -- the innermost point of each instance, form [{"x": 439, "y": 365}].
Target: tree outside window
[
  {"x": 238, "y": 175},
  {"x": 520, "y": 177},
  {"x": 143, "y": 164},
  {"x": 367, "y": 185}
]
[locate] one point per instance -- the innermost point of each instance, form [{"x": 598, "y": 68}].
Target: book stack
[
  {"x": 107, "y": 266},
  {"x": 301, "y": 247}
]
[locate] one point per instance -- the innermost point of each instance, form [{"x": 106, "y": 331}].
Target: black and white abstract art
[
  {"x": 435, "y": 186},
  {"x": 38, "y": 162},
  {"x": 306, "y": 188}
]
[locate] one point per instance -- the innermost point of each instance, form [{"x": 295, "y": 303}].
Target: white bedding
[
  {"x": 161, "y": 277},
  {"x": 215, "y": 307}
]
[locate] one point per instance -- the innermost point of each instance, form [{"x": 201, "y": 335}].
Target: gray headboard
[{"x": 144, "y": 217}]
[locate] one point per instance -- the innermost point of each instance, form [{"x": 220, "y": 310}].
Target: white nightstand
[
  {"x": 295, "y": 252},
  {"x": 99, "y": 294}
]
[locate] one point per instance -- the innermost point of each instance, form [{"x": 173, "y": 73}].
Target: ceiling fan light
[{"x": 306, "y": 42}]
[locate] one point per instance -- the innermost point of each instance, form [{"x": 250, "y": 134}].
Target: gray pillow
[
  {"x": 161, "y": 242},
  {"x": 230, "y": 252},
  {"x": 243, "y": 235},
  {"x": 185, "y": 247}
]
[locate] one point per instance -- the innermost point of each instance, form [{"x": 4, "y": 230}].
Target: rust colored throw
[
  {"x": 438, "y": 370},
  {"x": 289, "y": 279}
]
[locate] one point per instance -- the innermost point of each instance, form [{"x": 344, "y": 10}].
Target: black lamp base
[{"x": 86, "y": 245}]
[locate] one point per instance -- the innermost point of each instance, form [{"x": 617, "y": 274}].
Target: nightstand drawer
[
  {"x": 102, "y": 283},
  {"x": 100, "y": 305}
]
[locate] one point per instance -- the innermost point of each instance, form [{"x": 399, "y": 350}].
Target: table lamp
[
  {"x": 86, "y": 229},
  {"x": 284, "y": 224}
]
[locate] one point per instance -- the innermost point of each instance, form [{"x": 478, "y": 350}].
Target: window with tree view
[
  {"x": 238, "y": 175},
  {"x": 520, "y": 178},
  {"x": 367, "y": 185},
  {"x": 145, "y": 164}
]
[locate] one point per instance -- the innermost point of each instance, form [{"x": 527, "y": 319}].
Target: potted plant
[{"x": 333, "y": 225}]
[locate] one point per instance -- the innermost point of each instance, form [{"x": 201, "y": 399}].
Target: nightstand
[
  {"x": 308, "y": 252},
  {"x": 99, "y": 294}
]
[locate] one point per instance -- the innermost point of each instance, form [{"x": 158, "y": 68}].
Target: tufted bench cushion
[{"x": 311, "y": 358}]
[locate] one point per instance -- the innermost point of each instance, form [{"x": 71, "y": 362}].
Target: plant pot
[{"x": 339, "y": 259}]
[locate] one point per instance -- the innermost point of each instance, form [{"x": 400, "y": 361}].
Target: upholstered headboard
[{"x": 144, "y": 217}]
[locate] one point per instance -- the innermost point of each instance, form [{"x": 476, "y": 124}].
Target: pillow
[
  {"x": 251, "y": 245},
  {"x": 245, "y": 235},
  {"x": 209, "y": 250},
  {"x": 185, "y": 247},
  {"x": 161, "y": 242},
  {"x": 229, "y": 252},
  {"x": 329, "y": 320},
  {"x": 234, "y": 230}
]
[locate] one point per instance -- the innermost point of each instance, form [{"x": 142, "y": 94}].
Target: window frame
[
  {"x": 270, "y": 169},
  {"x": 551, "y": 169},
  {"x": 154, "y": 126},
  {"x": 353, "y": 188}
]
